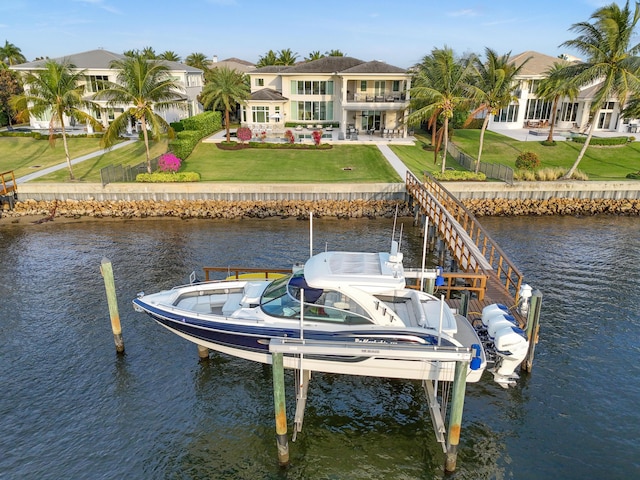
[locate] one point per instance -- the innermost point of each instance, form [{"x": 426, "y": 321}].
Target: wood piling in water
[
  {"x": 533, "y": 325},
  {"x": 455, "y": 416},
  {"x": 109, "y": 283},
  {"x": 282, "y": 442}
]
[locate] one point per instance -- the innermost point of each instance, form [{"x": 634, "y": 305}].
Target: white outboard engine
[
  {"x": 511, "y": 349},
  {"x": 495, "y": 309}
]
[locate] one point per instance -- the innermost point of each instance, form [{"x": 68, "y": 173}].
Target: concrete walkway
[
  {"x": 393, "y": 160},
  {"x": 60, "y": 166}
]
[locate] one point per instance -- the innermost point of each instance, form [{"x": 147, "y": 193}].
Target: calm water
[{"x": 71, "y": 408}]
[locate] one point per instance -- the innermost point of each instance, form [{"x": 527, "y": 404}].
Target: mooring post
[
  {"x": 533, "y": 326},
  {"x": 465, "y": 295},
  {"x": 203, "y": 352},
  {"x": 455, "y": 416},
  {"x": 282, "y": 443},
  {"x": 107, "y": 273}
]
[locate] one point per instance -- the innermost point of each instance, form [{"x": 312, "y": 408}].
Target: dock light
[{"x": 525, "y": 295}]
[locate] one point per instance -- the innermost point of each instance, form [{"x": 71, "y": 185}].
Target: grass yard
[
  {"x": 340, "y": 164},
  {"x": 419, "y": 160},
  {"x": 599, "y": 163}
]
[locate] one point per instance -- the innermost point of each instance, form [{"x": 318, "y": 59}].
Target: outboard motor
[
  {"x": 511, "y": 346},
  {"x": 493, "y": 309}
]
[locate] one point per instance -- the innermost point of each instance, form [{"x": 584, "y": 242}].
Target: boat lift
[{"x": 461, "y": 356}]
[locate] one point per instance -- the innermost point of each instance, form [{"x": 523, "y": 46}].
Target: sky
[{"x": 399, "y": 33}]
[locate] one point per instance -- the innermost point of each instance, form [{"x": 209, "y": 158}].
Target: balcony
[{"x": 389, "y": 101}]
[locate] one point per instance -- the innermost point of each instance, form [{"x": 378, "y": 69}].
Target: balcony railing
[{"x": 370, "y": 98}]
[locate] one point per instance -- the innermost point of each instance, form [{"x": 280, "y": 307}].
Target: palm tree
[
  {"x": 9, "y": 86},
  {"x": 148, "y": 86},
  {"x": 169, "y": 56},
  {"x": 11, "y": 55},
  {"x": 149, "y": 53},
  {"x": 315, "y": 55},
  {"x": 443, "y": 82},
  {"x": 611, "y": 59},
  {"x": 56, "y": 90},
  {"x": 269, "y": 58},
  {"x": 335, "y": 53},
  {"x": 492, "y": 89},
  {"x": 287, "y": 57},
  {"x": 225, "y": 88},
  {"x": 555, "y": 86},
  {"x": 197, "y": 60}
]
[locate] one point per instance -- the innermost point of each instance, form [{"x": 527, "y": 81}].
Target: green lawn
[
  {"x": 599, "y": 163},
  {"x": 419, "y": 160},
  {"x": 340, "y": 164}
]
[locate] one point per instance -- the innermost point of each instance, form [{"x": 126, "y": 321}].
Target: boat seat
[{"x": 232, "y": 304}]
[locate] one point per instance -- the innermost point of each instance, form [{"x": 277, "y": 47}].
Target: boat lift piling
[
  {"x": 533, "y": 326},
  {"x": 106, "y": 270},
  {"x": 461, "y": 356}
]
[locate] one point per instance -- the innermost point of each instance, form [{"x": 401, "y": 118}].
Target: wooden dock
[
  {"x": 477, "y": 254},
  {"x": 8, "y": 190}
]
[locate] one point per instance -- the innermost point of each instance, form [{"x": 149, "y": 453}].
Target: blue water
[{"x": 71, "y": 408}]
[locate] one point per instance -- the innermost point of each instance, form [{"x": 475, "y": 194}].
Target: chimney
[{"x": 215, "y": 59}]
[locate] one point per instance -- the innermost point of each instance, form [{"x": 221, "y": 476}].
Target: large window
[
  {"x": 312, "y": 87},
  {"x": 259, "y": 82},
  {"x": 568, "y": 112},
  {"x": 509, "y": 114},
  {"x": 538, "y": 109},
  {"x": 259, "y": 113},
  {"x": 312, "y": 110},
  {"x": 95, "y": 83}
]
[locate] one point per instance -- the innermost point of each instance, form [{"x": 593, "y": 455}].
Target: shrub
[
  {"x": 602, "y": 142},
  {"x": 547, "y": 143},
  {"x": 195, "y": 128},
  {"x": 289, "y": 136},
  {"x": 459, "y": 175},
  {"x": 163, "y": 177},
  {"x": 317, "y": 136},
  {"x": 244, "y": 134},
  {"x": 168, "y": 162},
  {"x": 634, "y": 175},
  {"x": 527, "y": 161}
]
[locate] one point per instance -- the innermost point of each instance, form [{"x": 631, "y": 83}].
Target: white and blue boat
[{"x": 347, "y": 297}]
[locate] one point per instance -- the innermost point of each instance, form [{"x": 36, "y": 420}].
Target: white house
[
  {"x": 530, "y": 111},
  {"x": 341, "y": 91},
  {"x": 97, "y": 67}
]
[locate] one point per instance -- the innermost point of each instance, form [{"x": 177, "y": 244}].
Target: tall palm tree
[
  {"x": 335, "y": 53},
  {"x": 555, "y": 86},
  {"x": 56, "y": 90},
  {"x": 442, "y": 88},
  {"x": 11, "y": 55},
  {"x": 287, "y": 57},
  {"x": 225, "y": 88},
  {"x": 492, "y": 88},
  {"x": 611, "y": 60},
  {"x": 169, "y": 56},
  {"x": 144, "y": 86},
  {"x": 149, "y": 53},
  {"x": 269, "y": 58},
  {"x": 197, "y": 60}
]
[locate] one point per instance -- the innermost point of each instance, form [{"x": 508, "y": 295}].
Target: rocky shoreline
[{"x": 185, "y": 209}]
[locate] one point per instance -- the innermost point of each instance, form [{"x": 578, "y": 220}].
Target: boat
[{"x": 338, "y": 297}]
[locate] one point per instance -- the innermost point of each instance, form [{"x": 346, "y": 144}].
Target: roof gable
[{"x": 538, "y": 63}]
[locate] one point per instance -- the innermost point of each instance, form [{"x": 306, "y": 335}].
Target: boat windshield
[{"x": 282, "y": 299}]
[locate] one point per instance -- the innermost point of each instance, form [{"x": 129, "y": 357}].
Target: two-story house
[
  {"x": 96, "y": 65},
  {"x": 529, "y": 111},
  {"x": 340, "y": 91}
]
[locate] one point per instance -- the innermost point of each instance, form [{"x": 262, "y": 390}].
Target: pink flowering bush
[
  {"x": 288, "y": 135},
  {"x": 317, "y": 136},
  {"x": 168, "y": 162},
  {"x": 243, "y": 134}
]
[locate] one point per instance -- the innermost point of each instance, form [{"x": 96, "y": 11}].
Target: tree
[
  {"x": 11, "y": 55},
  {"x": 441, "y": 87},
  {"x": 197, "y": 60},
  {"x": 335, "y": 53},
  {"x": 148, "y": 86},
  {"x": 225, "y": 89},
  {"x": 492, "y": 89},
  {"x": 9, "y": 86},
  {"x": 611, "y": 60},
  {"x": 56, "y": 90},
  {"x": 287, "y": 57},
  {"x": 169, "y": 56},
  {"x": 269, "y": 58},
  {"x": 555, "y": 86},
  {"x": 315, "y": 55},
  {"x": 149, "y": 53}
]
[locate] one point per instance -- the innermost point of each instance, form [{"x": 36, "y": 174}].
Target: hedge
[
  {"x": 600, "y": 141},
  {"x": 193, "y": 129},
  {"x": 164, "y": 177}
]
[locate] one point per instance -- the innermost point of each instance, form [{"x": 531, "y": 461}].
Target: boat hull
[{"x": 250, "y": 341}]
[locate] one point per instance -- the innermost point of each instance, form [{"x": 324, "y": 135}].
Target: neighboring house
[
  {"x": 340, "y": 91},
  {"x": 530, "y": 111},
  {"x": 233, "y": 64},
  {"x": 96, "y": 64}
]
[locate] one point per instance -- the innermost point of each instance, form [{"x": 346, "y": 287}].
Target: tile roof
[
  {"x": 331, "y": 65},
  {"x": 268, "y": 95},
  {"x": 374, "y": 67},
  {"x": 537, "y": 64}
]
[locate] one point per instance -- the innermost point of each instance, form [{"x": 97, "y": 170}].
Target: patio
[{"x": 541, "y": 133}]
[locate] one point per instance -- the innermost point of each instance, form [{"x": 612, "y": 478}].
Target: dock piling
[
  {"x": 533, "y": 325},
  {"x": 203, "y": 352},
  {"x": 455, "y": 416},
  {"x": 106, "y": 270},
  {"x": 280, "y": 408}
]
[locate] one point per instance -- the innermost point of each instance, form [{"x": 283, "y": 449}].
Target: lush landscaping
[{"x": 599, "y": 163}]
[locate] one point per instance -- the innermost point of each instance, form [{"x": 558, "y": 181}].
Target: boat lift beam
[{"x": 433, "y": 353}]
